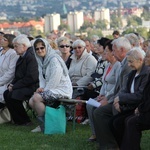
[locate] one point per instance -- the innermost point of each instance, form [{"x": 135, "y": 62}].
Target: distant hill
[{"x": 38, "y": 8}]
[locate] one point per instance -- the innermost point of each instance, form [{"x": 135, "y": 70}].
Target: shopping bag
[
  {"x": 4, "y": 115},
  {"x": 80, "y": 111},
  {"x": 55, "y": 120}
]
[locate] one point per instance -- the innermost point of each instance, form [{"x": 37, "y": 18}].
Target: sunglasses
[
  {"x": 62, "y": 46},
  {"x": 39, "y": 48},
  {"x": 79, "y": 47}
]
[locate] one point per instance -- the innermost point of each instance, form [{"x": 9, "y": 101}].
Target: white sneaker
[
  {"x": 86, "y": 121},
  {"x": 37, "y": 129}
]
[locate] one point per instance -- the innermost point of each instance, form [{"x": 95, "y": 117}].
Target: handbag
[
  {"x": 55, "y": 120},
  {"x": 96, "y": 75},
  {"x": 4, "y": 115},
  {"x": 80, "y": 111}
]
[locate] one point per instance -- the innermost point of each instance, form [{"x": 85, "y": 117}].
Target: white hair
[
  {"x": 22, "y": 39},
  {"x": 136, "y": 53},
  {"x": 122, "y": 42},
  {"x": 78, "y": 42},
  {"x": 133, "y": 39},
  {"x": 16, "y": 33}
]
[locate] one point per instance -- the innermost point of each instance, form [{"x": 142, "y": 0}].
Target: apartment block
[
  {"x": 52, "y": 21},
  {"x": 75, "y": 21},
  {"x": 103, "y": 14}
]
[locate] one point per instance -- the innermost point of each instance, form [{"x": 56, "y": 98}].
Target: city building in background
[
  {"x": 103, "y": 14},
  {"x": 75, "y": 20},
  {"x": 52, "y": 21}
]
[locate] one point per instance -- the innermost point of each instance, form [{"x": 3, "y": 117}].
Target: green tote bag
[{"x": 55, "y": 120}]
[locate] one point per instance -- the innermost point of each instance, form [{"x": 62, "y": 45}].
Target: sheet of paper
[{"x": 93, "y": 102}]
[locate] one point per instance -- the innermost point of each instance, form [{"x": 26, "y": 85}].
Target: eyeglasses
[
  {"x": 131, "y": 61},
  {"x": 79, "y": 47},
  {"x": 62, "y": 46},
  {"x": 39, "y": 48}
]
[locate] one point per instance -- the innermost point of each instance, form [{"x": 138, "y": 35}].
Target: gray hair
[
  {"x": 96, "y": 37},
  {"x": 22, "y": 39},
  {"x": 78, "y": 42},
  {"x": 133, "y": 39},
  {"x": 63, "y": 39},
  {"x": 122, "y": 42},
  {"x": 16, "y": 33},
  {"x": 136, "y": 53}
]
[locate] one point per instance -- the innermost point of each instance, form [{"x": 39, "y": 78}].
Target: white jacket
[
  {"x": 81, "y": 69},
  {"x": 55, "y": 80},
  {"x": 7, "y": 70}
]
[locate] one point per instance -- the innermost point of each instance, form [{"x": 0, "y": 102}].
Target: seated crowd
[{"x": 115, "y": 73}]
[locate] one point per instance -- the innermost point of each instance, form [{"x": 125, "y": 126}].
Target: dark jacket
[
  {"x": 128, "y": 100},
  {"x": 144, "y": 107},
  {"x": 26, "y": 78},
  {"x": 121, "y": 81}
]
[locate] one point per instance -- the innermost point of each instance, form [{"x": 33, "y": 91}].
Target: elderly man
[
  {"x": 104, "y": 113},
  {"x": 24, "y": 83}
]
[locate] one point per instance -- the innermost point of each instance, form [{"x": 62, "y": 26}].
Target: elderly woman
[
  {"x": 8, "y": 59},
  {"x": 64, "y": 46},
  {"x": 140, "y": 120},
  {"x": 130, "y": 97},
  {"x": 24, "y": 82},
  {"x": 109, "y": 80},
  {"x": 82, "y": 66},
  {"x": 54, "y": 79}
]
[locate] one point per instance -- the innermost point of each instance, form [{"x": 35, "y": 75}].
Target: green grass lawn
[{"x": 20, "y": 138}]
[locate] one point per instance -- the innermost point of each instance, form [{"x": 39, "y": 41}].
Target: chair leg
[
  {"x": 33, "y": 114},
  {"x": 29, "y": 109}
]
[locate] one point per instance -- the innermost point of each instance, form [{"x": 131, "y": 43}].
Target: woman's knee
[
  {"x": 31, "y": 102},
  {"x": 36, "y": 99}
]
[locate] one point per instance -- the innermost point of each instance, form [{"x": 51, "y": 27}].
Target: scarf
[{"x": 50, "y": 53}]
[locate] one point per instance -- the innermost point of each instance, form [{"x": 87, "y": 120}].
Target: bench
[{"x": 72, "y": 102}]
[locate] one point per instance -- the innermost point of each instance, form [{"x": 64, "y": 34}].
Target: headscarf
[{"x": 50, "y": 53}]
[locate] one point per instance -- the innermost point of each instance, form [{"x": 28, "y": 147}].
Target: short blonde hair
[
  {"x": 53, "y": 45},
  {"x": 63, "y": 39}
]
